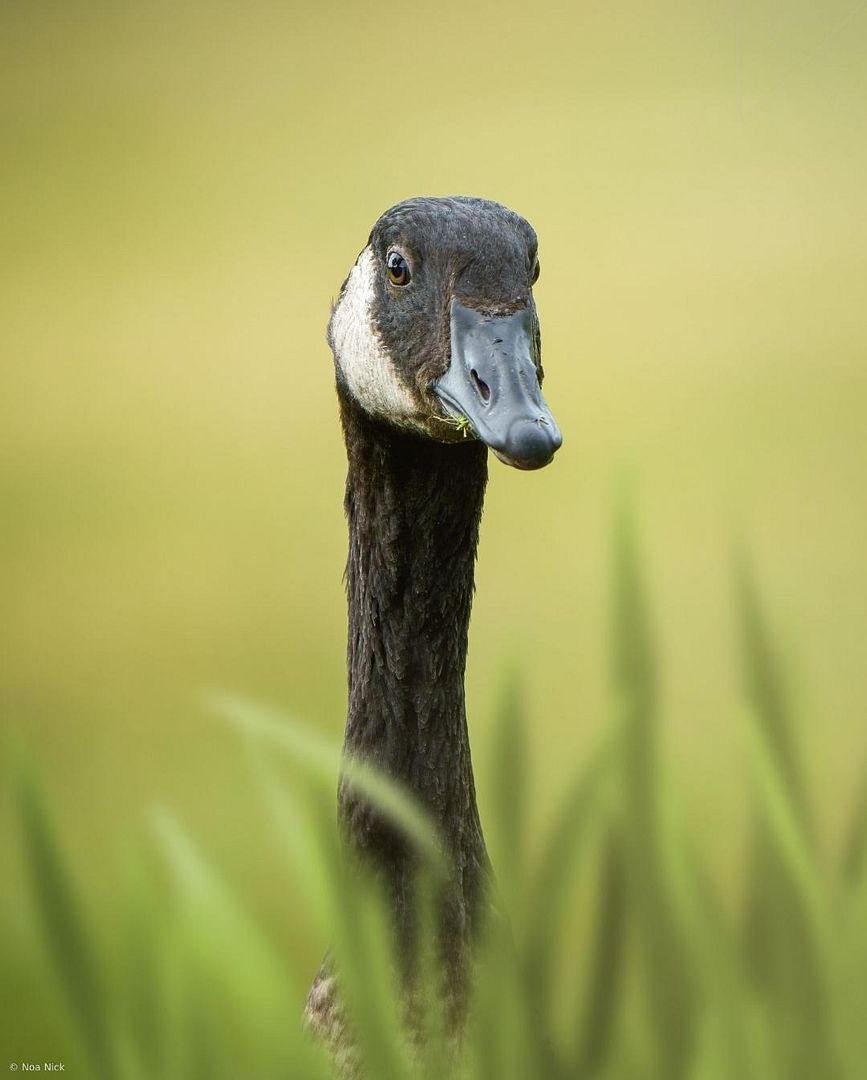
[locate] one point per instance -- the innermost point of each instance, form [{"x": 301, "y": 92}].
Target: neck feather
[{"x": 413, "y": 507}]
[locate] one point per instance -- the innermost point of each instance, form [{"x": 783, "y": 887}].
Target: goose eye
[
  {"x": 397, "y": 268},
  {"x": 536, "y": 269}
]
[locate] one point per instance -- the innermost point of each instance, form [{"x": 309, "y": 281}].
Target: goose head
[{"x": 435, "y": 330}]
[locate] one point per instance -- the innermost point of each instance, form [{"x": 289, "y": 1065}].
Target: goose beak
[{"x": 493, "y": 382}]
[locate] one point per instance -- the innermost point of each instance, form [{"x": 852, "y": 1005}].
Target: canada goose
[{"x": 437, "y": 356}]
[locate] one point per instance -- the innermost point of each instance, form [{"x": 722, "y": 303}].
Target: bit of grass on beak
[{"x": 459, "y": 423}]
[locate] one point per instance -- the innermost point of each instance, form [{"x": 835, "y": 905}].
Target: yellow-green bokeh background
[{"x": 184, "y": 188}]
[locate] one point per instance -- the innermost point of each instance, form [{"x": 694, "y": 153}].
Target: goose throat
[{"x": 413, "y": 507}]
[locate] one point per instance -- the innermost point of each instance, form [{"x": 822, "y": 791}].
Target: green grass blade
[
  {"x": 323, "y": 759},
  {"x": 852, "y": 998},
  {"x": 855, "y": 847},
  {"x": 304, "y": 823},
  {"x": 712, "y": 942},
  {"x": 365, "y": 964},
  {"x": 780, "y": 816},
  {"x": 669, "y": 983},
  {"x": 430, "y": 1017},
  {"x": 800, "y": 926},
  {"x": 554, "y": 872},
  {"x": 68, "y": 939},
  {"x": 791, "y": 941},
  {"x": 766, "y": 692},
  {"x": 144, "y": 994},
  {"x": 503, "y": 1041},
  {"x": 348, "y": 905},
  {"x": 509, "y": 806},
  {"x": 232, "y": 969},
  {"x": 603, "y": 984},
  {"x": 362, "y": 946}
]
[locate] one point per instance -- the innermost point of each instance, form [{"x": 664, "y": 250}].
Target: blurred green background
[{"x": 184, "y": 188}]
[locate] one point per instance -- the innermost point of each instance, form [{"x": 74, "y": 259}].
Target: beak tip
[{"x": 530, "y": 444}]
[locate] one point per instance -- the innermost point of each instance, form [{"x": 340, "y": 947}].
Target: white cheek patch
[{"x": 361, "y": 355}]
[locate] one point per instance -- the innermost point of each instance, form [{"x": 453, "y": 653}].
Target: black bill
[{"x": 493, "y": 382}]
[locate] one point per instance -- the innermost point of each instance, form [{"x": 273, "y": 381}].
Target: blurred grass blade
[
  {"x": 66, "y": 935},
  {"x": 353, "y": 911},
  {"x": 855, "y": 847},
  {"x": 503, "y": 1041},
  {"x": 351, "y": 914},
  {"x": 510, "y": 779},
  {"x": 602, "y": 986},
  {"x": 235, "y": 968},
  {"x": 306, "y": 828},
  {"x": 669, "y": 981},
  {"x": 555, "y": 871},
  {"x": 779, "y": 814},
  {"x": 766, "y": 692},
  {"x": 323, "y": 759},
  {"x": 712, "y": 943},
  {"x": 432, "y": 1022},
  {"x": 852, "y": 1000},
  {"x": 725, "y": 981},
  {"x": 791, "y": 940},
  {"x": 367, "y": 973},
  {"x": 799, "y": 934},
  {"x": 144, "y": 993},
  {"x": 215, "y": 914}
]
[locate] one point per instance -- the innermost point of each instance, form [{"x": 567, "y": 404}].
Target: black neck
[{"x": 413, "y": 507}]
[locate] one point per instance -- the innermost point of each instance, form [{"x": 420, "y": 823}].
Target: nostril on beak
[{"x": 480, "y": 385}]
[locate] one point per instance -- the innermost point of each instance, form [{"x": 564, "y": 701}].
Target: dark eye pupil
[{"x": 398, "y": 271}]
